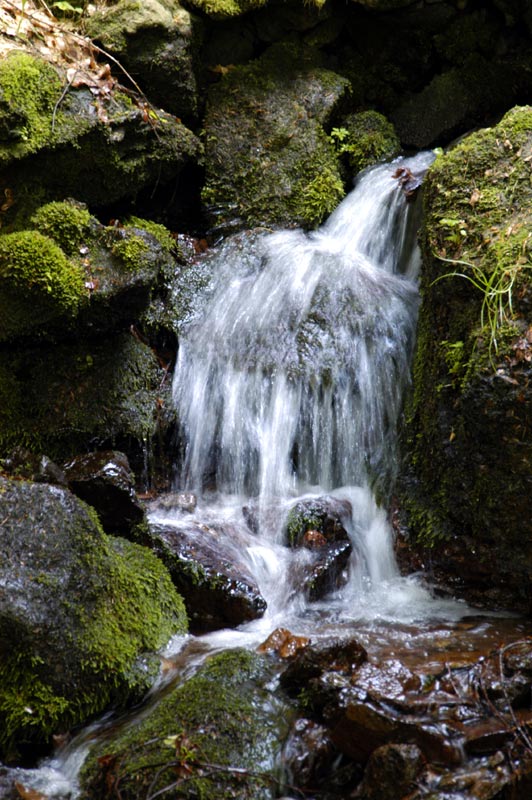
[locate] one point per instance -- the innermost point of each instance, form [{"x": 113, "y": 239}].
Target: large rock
[
  {"x": 216, "y": 736},
  {"x": 68, "y": 274},
  {"x": 80, "y": 616},
  {"x": 268, "y": 158},
  {"x": 158, "y": 42},
  {"x": 468, "y": 438},
  {"x": 90, "y": 142},
  {"x": 70, "y": 398}
]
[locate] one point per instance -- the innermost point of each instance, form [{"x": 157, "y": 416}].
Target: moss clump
[
  {"x": 162, "y": 234},
  {"x": 67, "y": 223},
  {"x": 29, "y": 90},
  {"x": 132, "y": 251},
  {"x": 365, "y": 139},
  {"x": 38, "y": 283},
  {"x": 221, "y": 716}
]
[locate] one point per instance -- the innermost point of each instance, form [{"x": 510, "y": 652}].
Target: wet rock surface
[
  {"x": 105, "y": 481},
  {"x": 317, "y": 526},
  {"x": 217, "y": 589},
  {"x": 63, "y": 580},
  {"x": 416, "y": 730}
]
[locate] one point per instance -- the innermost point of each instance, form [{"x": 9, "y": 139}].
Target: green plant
[{"x": 496, "y": 287}]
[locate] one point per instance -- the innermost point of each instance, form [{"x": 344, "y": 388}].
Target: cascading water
[{"x": 290, "y": 379}]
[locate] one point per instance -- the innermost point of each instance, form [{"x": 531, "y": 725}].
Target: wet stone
[
  {"x": 217, "y": 589},
  {"x": 309, "y": 754},
  {"x": 339, "y": 657},
  {"x": 390, "y": 772},
  {"x": 284, "y": 643},
  {"x": 327, "y": 570},
  {"x": 322, "y": 515},
  {"x": 104, "y": 480},
  {"x": 176, "y": 501}
]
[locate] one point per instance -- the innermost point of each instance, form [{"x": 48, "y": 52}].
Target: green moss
[
  {"x": 29, "y": 90},
  {"x": 318, "y": 198},
  {"x": 132, "y": 251},
  {"x": 95, "y": 613},
  {"x": 298, "y": 523},
  {"x": 220, "y": 716},
  {"x": 365, "y": 139},
  {"x": 138, "y": 613},
  {"x": 67, "y": 223},
  {"x": 161, "y": 233},
  {"x": 38, "y": 283}
]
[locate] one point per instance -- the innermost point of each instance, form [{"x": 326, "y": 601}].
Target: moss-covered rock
[
  {"x": 80, "y": 616},
  {"x": 158, "y": 41},
  {"x": 97, "y": 146},
  {"x": 68, "y": 398},
  {"x": 469, "y": 437},
  {"x": 38, "y": 283},
  {"x": 222, "y": 726},
  {"x": 268, "y": 158},
  {"x": 455, "y": 100},
  {"x": 364, "y": 139}
]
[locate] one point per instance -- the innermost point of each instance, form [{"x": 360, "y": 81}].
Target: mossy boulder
[
  {"x": 81, "y": 616},
  {"x": 38, "y": 283},
  {"x": 468, "y": 437},
  {"x": 70, "y": 398},
  {"x": 158, "y": 42},
  {"x": 268, "y": 158},
  {"x": 93, "y": 144},
  {"x": 364, "y": 139},
  {"x": 226, "y": 715},
  {"x": 225, "y": 9},
  {"x": 455, "y": 100}
]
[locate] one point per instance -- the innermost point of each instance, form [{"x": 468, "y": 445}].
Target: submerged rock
[
  {"x": 80, "y": 617},
  {"x": 217, "y": 735},
  {"x": 218, "y": 591}
]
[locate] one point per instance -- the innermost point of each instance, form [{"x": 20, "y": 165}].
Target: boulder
[
  {"x": 91, "y": 141},
  {"x": 390, "y": 773},
  {"x": 66, "y": 399},
  {"x": 268, "y": 159},
  {"x": 465, "y": 495},
  {"x": 218, "y": 591},
  {"x": 157, "y": 41},
  {"x": 216, "y": 735},
  {"x": 81, "y": 616}
]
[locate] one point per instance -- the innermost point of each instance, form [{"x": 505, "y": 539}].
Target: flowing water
[{"x": 289, "y": 383}]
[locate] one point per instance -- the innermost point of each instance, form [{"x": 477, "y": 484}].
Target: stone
[
  {"x": 226, "y": 715},
  {"x": 217, "y": 590},
  {"x": 104, "y": 480},
  {"x": 390, "y": 773},
  {"x": 268, "y": 159},
  {"x": 81, "y": 616}
]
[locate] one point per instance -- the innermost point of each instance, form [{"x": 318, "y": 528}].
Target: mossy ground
[{"x": 213, "y": 737}]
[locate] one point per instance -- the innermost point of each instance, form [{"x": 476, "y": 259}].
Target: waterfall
[{"x": 291, "y": 374}]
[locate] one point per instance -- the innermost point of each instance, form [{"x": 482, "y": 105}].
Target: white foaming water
[{"x": 290, "y": 381}]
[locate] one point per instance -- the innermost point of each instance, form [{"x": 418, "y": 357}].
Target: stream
[{"x": 289, "y": 384}]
